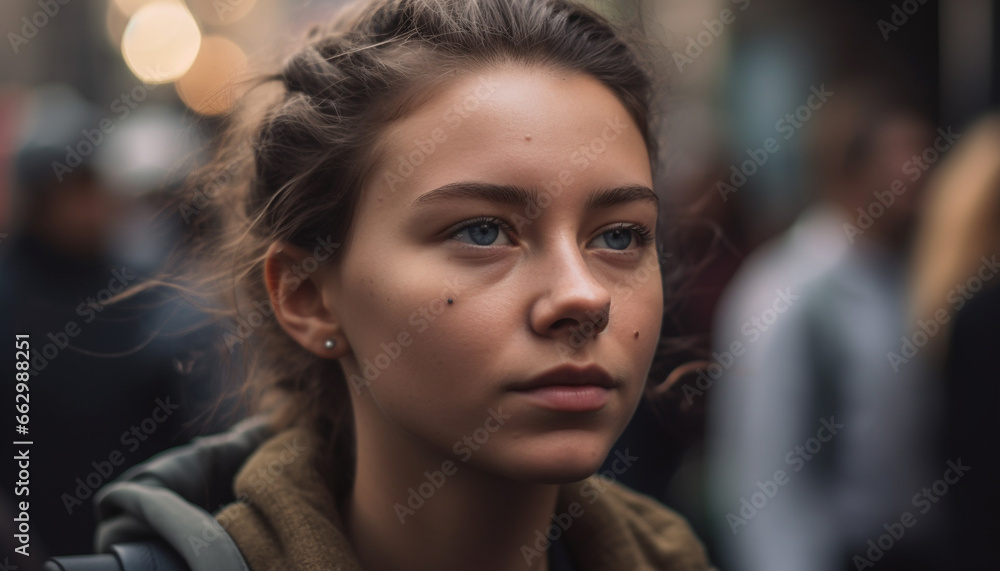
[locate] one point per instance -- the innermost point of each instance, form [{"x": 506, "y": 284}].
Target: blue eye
[
  {"x": 620, "y": 237},
  {"x": 483, "y": 231}
]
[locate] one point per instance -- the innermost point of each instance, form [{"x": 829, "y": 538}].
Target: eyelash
[{"x": 641, "y": 230}]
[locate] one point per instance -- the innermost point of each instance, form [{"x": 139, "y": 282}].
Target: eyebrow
[{"x": 525, "y": 197}]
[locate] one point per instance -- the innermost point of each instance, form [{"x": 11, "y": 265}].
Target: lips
[
  {"x": 571, "y": 376},
  {"x": 569, "y": 389}
]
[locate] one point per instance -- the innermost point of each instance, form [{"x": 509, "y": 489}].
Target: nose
[{"x": 572, "y": 300}]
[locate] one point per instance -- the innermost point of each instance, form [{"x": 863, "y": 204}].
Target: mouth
[{"x": 569, "y": 389}]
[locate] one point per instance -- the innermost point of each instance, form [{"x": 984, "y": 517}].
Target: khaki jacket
[
  {"x": 284, "y": 517},
  {"x": 287, "y": 519}
]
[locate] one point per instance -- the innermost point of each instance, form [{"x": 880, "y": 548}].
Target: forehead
[{"x": 529, "y": 127}]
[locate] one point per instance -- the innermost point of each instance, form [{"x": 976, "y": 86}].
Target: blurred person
[
  {"x": 97, "y": 372},
  {"x": 11, "y": 105},
  {"x": 442, "y": 375},
  {"x": 959, "y": 234},
  {"x": 956, "y": 296},
  {"x": 816, "y": 442}
]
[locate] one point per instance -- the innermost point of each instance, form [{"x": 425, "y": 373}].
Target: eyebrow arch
[{"x": 517, "y": 196}]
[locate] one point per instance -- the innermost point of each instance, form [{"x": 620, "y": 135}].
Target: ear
[{"x": 298, "y": 300}]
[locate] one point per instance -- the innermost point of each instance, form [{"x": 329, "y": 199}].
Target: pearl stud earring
[{"x": 329, "y": 344}]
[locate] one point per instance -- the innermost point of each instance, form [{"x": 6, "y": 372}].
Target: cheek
[
  {"x": 422, "y": 357},
  {"x": 639, "y": 310}
]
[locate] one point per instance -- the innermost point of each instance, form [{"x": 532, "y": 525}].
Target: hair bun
[
  {"x": 312, "y": 70},
  {"x": 295, "y": 74}
]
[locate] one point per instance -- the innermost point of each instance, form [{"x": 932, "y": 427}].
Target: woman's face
[{"x": 441, "y": 218}]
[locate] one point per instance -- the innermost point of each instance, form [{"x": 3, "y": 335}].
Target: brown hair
[{"x": 295, "y": 171}]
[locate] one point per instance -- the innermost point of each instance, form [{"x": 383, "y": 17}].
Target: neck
[{"x": 437, "y": 512}]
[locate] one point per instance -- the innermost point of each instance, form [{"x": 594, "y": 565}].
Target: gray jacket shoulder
[{"x": 171, "y": 497}]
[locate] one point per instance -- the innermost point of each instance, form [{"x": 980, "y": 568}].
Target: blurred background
[{"x": 832, "y": 170}]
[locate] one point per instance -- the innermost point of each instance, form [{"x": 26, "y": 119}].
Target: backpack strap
[
  {"x": 152, "y": 555},
  {"x": 157, "y": 514},
  {"x": 102, "y": 562}
]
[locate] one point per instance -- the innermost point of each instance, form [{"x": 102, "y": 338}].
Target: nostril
[
  {"x": 585, "y": 328},
  {"x": 565, "y": 322}
]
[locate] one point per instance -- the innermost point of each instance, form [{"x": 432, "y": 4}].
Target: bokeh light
[
  {"x": 114, "y": 24},
  {"x": 213, "y": 82},
  {"x": 129, "y": 7},
  {"x": 161, "y": 41},
  {"x": 220, "y": 12}
]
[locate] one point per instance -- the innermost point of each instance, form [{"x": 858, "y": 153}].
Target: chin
[{"x": 557, "y": 458}]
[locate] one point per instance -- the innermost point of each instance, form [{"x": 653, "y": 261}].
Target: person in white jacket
[{"x": 816, "y": 441}]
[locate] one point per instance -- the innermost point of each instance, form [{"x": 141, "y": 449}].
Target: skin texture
[{"x": 520, "y": 307}]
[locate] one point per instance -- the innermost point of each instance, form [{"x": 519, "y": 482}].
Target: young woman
[{"x": 441, "y": 243}]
